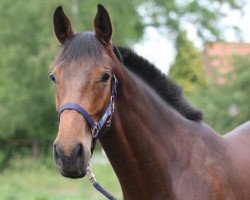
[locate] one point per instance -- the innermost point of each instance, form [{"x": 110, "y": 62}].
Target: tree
[
  {"x": 27, "y": 108},
  {"x": 188, "y": 69},
  {"x": 241, "y": 86},
  {"x": 205, "y": 15}
]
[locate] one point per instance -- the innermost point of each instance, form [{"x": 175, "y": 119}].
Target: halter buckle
[
  {"x": 95, "y": 130},
  {"x": 108, "y": 122},
  {"x": 113, "y": 104}
]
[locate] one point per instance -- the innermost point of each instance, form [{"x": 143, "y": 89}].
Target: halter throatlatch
[{"x": 105, "y": 120}]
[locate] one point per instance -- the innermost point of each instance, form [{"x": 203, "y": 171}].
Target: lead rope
[{"x": 95, "y": 184}]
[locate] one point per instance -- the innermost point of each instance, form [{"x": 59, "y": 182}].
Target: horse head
[{"x": 82, "y": 74}]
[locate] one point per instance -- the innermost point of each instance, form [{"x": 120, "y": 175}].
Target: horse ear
[
  {"x": 62, "y": 25},
  {"x": 102, "y": 25}
]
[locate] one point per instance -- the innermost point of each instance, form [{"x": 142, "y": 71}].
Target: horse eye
[
  {"x": 105, "y": 77},
  {"x": 52, "y": 77}
]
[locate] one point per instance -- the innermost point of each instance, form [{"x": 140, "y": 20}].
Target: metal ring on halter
[{"x": 95, "y": 130}]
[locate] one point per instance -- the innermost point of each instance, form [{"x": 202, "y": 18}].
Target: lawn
[{"x": 28, "y": 180}]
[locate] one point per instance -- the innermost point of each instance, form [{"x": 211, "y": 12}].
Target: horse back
[{"x": 241, "y": 134}]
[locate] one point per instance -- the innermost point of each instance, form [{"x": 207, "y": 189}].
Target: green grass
[{"x": 29, "y": 180}]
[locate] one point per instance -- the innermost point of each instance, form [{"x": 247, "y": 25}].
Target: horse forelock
[{"x": 81, "y": 46}]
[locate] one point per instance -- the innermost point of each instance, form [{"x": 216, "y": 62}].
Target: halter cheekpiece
[{"x": 105, "y": 120}]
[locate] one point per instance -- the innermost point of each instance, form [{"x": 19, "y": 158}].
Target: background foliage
[
  {"x": 188, "y": 69},
  {"x": 227, "y": 106},
  {"x": 205, "y": 15}
]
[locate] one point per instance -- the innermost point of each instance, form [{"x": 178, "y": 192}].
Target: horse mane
[{"x": 165, "y": 87}]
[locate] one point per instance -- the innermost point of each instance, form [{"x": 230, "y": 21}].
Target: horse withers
[{"x": 157, "y": 143}]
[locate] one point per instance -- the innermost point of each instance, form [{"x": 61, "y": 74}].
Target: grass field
[{"x": 29, "y": 180}]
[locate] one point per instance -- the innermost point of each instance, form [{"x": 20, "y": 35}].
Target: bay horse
[{"x": 158, "y": 144}]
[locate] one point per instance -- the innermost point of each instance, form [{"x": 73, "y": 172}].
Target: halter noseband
[{"x": 105, "y": 120}]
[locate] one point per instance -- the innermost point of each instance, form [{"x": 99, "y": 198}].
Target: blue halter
[{"x": 96, "y": 127}]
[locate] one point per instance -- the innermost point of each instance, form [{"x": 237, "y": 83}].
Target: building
[{"x": 218, "y": 58}]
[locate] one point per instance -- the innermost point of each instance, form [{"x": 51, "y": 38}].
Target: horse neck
[{"x": 141, "y": 141}]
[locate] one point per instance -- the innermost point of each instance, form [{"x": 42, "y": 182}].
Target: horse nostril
[
  {"x": 79, "y": 155},
  {"x": 79, "y": 150},
  {"x": 57, "y": 155},
  {"x": 55, "y": 151}
]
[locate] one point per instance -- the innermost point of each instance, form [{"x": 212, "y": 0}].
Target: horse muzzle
[{"x": 71, "y": 163}]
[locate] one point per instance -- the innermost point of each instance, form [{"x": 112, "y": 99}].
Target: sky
[{"x": 159, "y": 50}]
